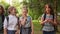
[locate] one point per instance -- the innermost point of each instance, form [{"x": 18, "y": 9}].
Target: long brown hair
[
  {"x": 51, "y": 9},
  {"x": 2, "y": 8}
]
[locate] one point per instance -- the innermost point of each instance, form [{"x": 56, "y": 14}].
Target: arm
[
  {"x": 18, "y": 28},
  {"x": 5, "y": 26},
  {"x": 43, "y": 21},
  {"x": 32, "y": 28}
]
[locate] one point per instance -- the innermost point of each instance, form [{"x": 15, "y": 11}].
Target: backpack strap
[
  {"x": 53, "y": 17},
  {"x": 7, "y": 20},
  {"x": 18, "y": 23},
  {"x": 3, "y": 17},
  {"x": 44, "y": 16}
]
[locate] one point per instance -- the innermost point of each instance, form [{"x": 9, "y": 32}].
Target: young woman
[
  {"x": 26, "y": 25},
  {"x": 48, "y": 20},
  {"x": 11, "y": 21},
  {"x": 1, "y": 18}
]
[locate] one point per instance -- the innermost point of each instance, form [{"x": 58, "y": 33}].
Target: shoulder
[
  {"x": 29, "y": 17},
  {"x": 43, "y": 15}
]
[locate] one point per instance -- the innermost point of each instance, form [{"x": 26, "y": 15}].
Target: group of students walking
[{"x": 13, "y": 24}]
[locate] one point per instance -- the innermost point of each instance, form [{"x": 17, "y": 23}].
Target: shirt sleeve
[
  {"x": 42, "y": 16},
  {"x": 5, "y": 23}
]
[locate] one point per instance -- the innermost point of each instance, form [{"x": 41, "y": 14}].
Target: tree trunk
[{"x": 55, "y": 8}]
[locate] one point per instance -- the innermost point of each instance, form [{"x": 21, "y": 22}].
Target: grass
[{"x": 37, "y": 27}]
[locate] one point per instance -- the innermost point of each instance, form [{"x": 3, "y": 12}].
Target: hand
[
  {"x": 22, "y": 21},
  {"x": 5, "y": 31},
  {"x": 32, "y": 32},
  {"x": 46, "y": 20},
  {"x": 17, "y": 32},
  {"x": 50, "y": 20}
]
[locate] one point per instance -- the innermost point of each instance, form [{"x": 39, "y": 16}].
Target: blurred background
[{"x": 35, "y": 8}]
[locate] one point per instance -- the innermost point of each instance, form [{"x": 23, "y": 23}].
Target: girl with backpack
[
  {"x": 48, "y": 20},
  {"x": 26, "y": 25},
  {"x": 1, "y": 18},
  {"x": 11, "y": 22}
]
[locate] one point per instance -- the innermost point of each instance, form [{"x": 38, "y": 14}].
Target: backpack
[
  {"x": 1, "y": 27},
  {"x": 55, "y": 27}
]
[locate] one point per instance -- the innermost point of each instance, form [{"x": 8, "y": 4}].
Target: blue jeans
[
  {"x": 11, "y": 31},
  {"x": 50, "y": 32}
]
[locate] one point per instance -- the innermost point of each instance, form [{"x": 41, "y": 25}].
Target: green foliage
[
  {"x": 5, "y": 5},
  {"x": 35, "y": 7}
]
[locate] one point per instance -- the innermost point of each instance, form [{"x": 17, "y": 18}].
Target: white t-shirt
[{"x": 11, "y": 24}]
